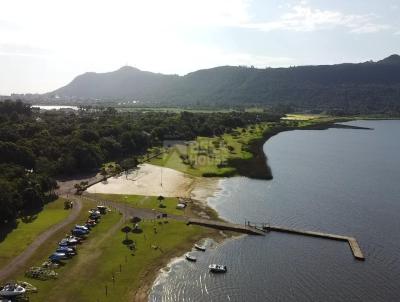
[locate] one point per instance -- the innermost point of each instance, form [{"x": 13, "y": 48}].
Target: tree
[
  {"x": 129, "y": 163},
  {"x": 126, "y": 230},
  {"x": 103, "y": 172}
]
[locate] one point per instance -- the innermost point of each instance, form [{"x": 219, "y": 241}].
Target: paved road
[{"x": 20, "y": 261}]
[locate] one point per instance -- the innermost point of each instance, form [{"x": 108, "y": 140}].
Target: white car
[{"x": 81, "y": 227}]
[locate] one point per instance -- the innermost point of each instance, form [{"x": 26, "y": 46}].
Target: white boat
[
  {"x": 217, "y": 268},
  {"x": 11, "y": 290},
  {"x": 200, "y": 247},
  {"x": 190, "y": 257}
]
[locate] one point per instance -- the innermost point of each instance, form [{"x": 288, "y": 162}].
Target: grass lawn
[
  {"x": 208, "y": 156},
  {"x": 143, "y": 202},
  {"x": 85, "y": 277},
  {"x": 303, "y": 117},
  {"x": 49, "y": 246},
  {"x": 26, "y": 232}
]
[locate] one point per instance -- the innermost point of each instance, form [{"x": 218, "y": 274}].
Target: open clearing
[
  {"x": 85, "y": 277},
  {"x": 143, "y": 202},
  {"x": 209, "y": 156},
  {"x": 147, "y": 180},
  {"x": 29, "y": 229}
]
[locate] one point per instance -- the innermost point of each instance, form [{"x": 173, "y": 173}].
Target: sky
[{"x": 44, "y": 44}]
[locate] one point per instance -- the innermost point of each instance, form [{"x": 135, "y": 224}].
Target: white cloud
[
  {"x": 21, "y": 50},
  {"x": 304, "y": 18},
  {"x": 56, "y": 40},
  {"x": 370, "y": 28}
]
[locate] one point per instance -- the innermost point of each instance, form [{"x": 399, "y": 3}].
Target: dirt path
[
  {"x": 19, "y": 261},
  {"x": 91, "y": 254}
]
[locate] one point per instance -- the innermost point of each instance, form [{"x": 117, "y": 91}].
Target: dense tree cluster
[{"x": 37, "y": 147}]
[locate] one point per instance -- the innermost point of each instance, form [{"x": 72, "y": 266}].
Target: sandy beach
[{"x": 151, "y": 180}]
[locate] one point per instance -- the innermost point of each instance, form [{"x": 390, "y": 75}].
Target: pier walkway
[
  {"x": 247, "y": 229},
  {"x": 261, "y": 229},
  {"x": 355, "y": 248}
]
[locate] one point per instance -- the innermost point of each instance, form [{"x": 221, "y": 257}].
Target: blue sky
[{"x": 44, "y": 43}]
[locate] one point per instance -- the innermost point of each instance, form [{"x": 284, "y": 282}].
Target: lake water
[
  {"x": 341, "y": 181},
  {"x": 54, "y": 107}
]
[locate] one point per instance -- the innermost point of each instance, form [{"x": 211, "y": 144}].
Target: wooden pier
[
  {"x": 355, "y": 248},
  {"x": 246, "y": 229},
  {"x": 261, "y": 229}
]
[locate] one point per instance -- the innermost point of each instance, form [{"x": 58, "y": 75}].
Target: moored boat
[
  {"x": 190, "y": 257},
  {"x": 217, "y": 268},
  {"x": 200, "y": 247}
]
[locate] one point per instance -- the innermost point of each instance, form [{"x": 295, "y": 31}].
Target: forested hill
[{"x": 354, "y": 88}]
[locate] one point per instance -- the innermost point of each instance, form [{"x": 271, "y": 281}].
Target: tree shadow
[
  {"x": 29, "y": 218},
  {"x": 29, "y": 215},
  {"x": 7, "y": 228},
  {"x": 127, "y": 241}
]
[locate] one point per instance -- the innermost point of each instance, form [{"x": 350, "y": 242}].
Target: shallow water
[{"x": 341, "y": 181}]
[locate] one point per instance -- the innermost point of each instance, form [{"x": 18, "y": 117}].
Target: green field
[
  {"x": 27, "y": 230},
  {"x": 85, "y": 277},
  {"x": 143, "y": 202},
  {"x": 209, "y": 156}
]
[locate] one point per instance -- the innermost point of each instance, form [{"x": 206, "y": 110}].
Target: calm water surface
[
  {"x": 339, "y": 181},
  {"x": 54, "y": 107}
]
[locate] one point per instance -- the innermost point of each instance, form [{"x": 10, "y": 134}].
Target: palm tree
[
  {"x": 160, "y": 199},
  {"x": 126, "y": 230}
]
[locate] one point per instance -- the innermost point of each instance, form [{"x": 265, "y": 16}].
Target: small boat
[
  {"x": 11, "y": 290},
  {"x": 217, "y": 268},
  {"x": 190, "y": 257},
  {"x": 200, "y": 247}
]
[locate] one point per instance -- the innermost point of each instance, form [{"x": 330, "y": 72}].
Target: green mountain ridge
[{"x": 356, "y": 87}]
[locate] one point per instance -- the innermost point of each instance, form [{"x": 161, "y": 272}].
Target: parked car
[
  {"x": 79, "y": 232},
  {"x": 58, "y": 257},
  {"x": 102, "y": 209},
  {"x": 66, "y": 242},
  {"x": 66, "y": 250},
  {"x": 82, "y": 227}
]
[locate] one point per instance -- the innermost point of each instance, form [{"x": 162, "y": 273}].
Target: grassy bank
[
  {"x": 239, "y": 152},
  {"x": 29, "y": 228},
  {"x": 212, "y": 156},
  {"x": 49, "y": 246},
  {"x": 104, "y": 257},
  {"x": 143, "y": 202}
]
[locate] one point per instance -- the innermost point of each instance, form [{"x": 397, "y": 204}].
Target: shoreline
[
  {"x": 258, "y": 168},
  {"x": 200, "y": 188},
  {"x": 150, "y": 275},
  {"x": 259, "y": 160},
  {"x": 218, "y": 243},
  {"x": 153, "y": 180}
]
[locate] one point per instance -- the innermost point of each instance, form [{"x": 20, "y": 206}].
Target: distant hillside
[{"x": 353, "y": 88}]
